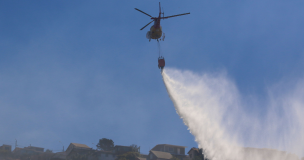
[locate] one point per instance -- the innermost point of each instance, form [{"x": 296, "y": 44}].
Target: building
[
  {"x": 37, "y": 149},
  {"x": 196, "y": 153},
  {"x": 172, "y": 149},
  {"x": 78, "y": 151},
  {"x": 5, "y": 151},
  {"x": 5, "y": 147},
  {"x": 165, "y": 151},
  {"x": 77, "y": 146},
  {"x": 193, "y": 152},
  {"x": 159, "y": 155},
  {"x": 28, "y": 151}
]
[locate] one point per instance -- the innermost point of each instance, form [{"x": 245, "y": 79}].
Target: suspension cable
[{"x": 159, "y": 50}]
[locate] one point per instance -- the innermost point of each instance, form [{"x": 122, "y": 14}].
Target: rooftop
[
  {"x": 193, "y": 148},
  {"x": 172, "y": 145},
  {"x": 162, "y": 155},
  {"x": 34, "y": 147},
  {"x": 80, "y": 145}
]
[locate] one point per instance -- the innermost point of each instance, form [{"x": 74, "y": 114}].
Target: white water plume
[{"x": 215, "y": 113}]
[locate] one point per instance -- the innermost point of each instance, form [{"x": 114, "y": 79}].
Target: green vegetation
[
  {"x": 105, "y": 144},
  {"x": 128, "y": 156},
  {"x": 135, "y": 148},
  {"x": 174, "y": 158}
]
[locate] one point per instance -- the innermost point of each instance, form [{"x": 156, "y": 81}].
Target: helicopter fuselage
[
  {"x": 155, "y": 33},
  {"x": 155, "y": 30}
]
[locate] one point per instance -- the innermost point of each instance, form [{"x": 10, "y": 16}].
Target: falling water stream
[{"x": 215, "y": 113}]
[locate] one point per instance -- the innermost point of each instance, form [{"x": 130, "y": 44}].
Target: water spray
[{"x": 210, "y": 106}]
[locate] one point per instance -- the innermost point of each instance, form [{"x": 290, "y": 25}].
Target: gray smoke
[{"x": 215, "y": 113}]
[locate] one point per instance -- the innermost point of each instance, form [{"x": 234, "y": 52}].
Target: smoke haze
[{"x": 226, "y": 124}]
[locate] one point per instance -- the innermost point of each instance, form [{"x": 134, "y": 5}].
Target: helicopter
[{"x": 156, "y": 30}]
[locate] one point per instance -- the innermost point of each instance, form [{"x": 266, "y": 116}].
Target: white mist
[{"x": 214, "y": 111}]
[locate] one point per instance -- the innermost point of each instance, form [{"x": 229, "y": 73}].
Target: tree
[
  {"x": 105, "y": 144},
  {"x": 49, "y": 151},
  {"x": 128, "y": 156},
  {"x": 135, "y": 148},
  {"x": 174, "y": 158}
]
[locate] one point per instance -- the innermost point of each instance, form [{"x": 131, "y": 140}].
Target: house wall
[
  {"x": 181, "y": 157},
  {"x": 151, "y": 157},
  {"x": 75, "y": 152},
  {"x": 6, "y": 148},
  {"x": 159, "y": 148},
  {"x": 27, "y": 152},
  {"x": 69, "y": 149},
  {"x": 193, "y": 153},
  {"x": 170, "y": 149},
  {"x": 174, "y": 150}
]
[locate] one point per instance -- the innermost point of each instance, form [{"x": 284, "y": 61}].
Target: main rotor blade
[
  {"x": 146, "y": 25},
  {"x": 175, "y": 15},
  {"x": 143, "y": 12}
]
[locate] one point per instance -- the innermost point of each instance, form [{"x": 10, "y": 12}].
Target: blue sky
[{"x": 75, "y": 71}]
